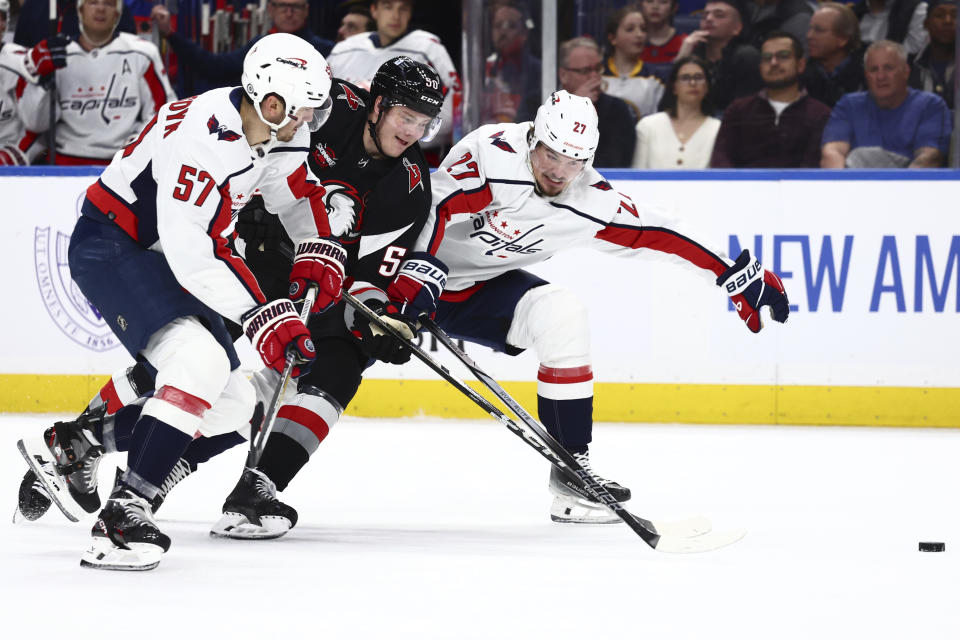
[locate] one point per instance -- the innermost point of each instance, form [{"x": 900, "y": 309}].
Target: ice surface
[{"x": 439, "y": 529}]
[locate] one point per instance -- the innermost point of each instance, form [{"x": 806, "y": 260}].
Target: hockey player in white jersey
[
  {"x": 17, "y": 145},
  {"x": 511, "y": 195},
  {"x": 108, "y": 85},
  {"x": 358, "y": 57},
  {"x": 152, "y": 253}
]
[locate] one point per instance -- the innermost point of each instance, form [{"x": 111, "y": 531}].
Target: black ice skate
[
  {"x": 33, "y": 500},
  {"x": 180, "y": 471},
  {"x": 125, "y": 538},
  {"x": 569, "y": 506},
  {"x": 252, "y": 510},
  {"x": 75, "y": 455}
]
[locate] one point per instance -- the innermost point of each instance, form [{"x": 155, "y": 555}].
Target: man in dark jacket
[
  {"x": 223, "y": 69},
  {"x": 897, "y": 20},
  {"x": 781, "y": 126},
  {"x": 835, "y": 66},
  {"x": 932, "y": 69}
]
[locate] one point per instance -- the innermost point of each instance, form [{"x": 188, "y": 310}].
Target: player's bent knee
[
  {"x": 554, "y": 322},
  {"x": 232, "y": 410}
]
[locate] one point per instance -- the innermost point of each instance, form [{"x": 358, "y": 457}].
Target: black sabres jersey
[{"x": 376, "y": 207}]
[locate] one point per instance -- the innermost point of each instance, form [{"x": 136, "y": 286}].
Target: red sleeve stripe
[
  {"x": 300, "y": 187},
  {"x": 133, "y": 145},
  {"x": 666, "y": 241},
  {"x": 473, "y": 201},
  {"x": 157, "y": 92},
  {"x": 565, "y": 375},
  {"x": 182, "y": 400},
  {"x": 21, "y": 85},
  {"x": 73, "y": 161},
  {"x": 27, "y": 140},
  {"x": 305, "y": 418},
  {"x": 114, "y": 208},
  {"x": 221, "y": 250}
]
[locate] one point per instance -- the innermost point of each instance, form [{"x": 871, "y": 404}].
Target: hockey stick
[
  {"x": 260, "y": 441},
  {"x": 545, "y": 445}
]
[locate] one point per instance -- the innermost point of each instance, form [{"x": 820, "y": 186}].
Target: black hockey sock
[
  {"x": 282, "y": 459},
  {"x": 114, "y": 431},
  {"x": 154, "y": 450},
  {"x": 569, "y": 421},
  {"x": 202, "y": 449}
]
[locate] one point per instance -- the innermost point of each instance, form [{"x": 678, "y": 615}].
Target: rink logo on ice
[{"x": 68, "y": 308}]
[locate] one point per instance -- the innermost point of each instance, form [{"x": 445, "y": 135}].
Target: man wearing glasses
[
  {"x": 579, "y": 67},
  {"x": 223, "y": 69},
  {"x": 779, "y": 127}
]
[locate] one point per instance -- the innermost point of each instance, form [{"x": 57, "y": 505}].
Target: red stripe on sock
[
  {"x": 565, "y": 375},
  {"x": 182, "y": 400},
  {"x": 305, "y": 418},
  {"x": 108, "y": 394}
]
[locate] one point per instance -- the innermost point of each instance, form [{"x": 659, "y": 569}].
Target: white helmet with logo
[
  {"x": 289, "y": 67},
  {"x": 567, "y": 124}
]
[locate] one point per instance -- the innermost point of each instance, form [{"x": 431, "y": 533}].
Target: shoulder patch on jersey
[
  {"x": 323, "y": 155},
  {"x": 603, "y": 185},
  {"x": 500, "y": 143},
  {"x": 626, "y": 204},
  {"x": 414, "y": 175},
  {"x": 352, "y": 99},
  {"x": 221, "y": 131}
]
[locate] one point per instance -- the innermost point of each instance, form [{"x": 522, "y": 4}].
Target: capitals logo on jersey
[
  {"x": 222, "y": 132},
  {"x": 352, "y": 99},
  {"x": 414, "y": 175},
  {"x": 345, "y": 209},
  {"x": 500, "y": 143}
]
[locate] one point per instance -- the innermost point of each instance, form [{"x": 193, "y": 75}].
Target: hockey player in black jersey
[{"x": 377, "y": 185}]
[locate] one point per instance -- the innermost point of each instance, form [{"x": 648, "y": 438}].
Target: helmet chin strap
[{"x": 372, "y": 127}]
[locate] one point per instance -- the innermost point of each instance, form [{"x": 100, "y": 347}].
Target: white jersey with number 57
[{"x": 487, "y": 218}]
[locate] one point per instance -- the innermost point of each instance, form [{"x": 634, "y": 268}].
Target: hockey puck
[{"x": 933, "y": 546}]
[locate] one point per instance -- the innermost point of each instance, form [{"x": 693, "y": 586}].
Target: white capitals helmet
[
  {"x": 289, "y": 67},
  {"x": 567, "y": 124}
]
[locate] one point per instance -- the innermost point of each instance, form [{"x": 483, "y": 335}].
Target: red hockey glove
[
  {"x": 273, "y": 329},
  {"x": 10, "y": 155},
  {"x": 751, "y": 287},
  {"x": 48, "y": 56},
  {"x": 418, "y": 285},
  {"x": 318, "y": 261}
]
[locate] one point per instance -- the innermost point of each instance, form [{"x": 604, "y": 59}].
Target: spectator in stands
[
  {"x": 512, "y": 75},
  {"x": 17, "y": 146},
  {"x": 33, "y": 25},
  {"x": 682, "y": 135},
  {"x": 663, "y": 40},
  {"x": 224, "y": 69},
  {"x": 579, "y": 65},
  {"x": 108, "y": 86},
  {"x": 734, "y": 63},
  {"x": 835, "y": 66},
  {"x": 356, "y": 20},
  {"x": 764, "y": 16},
  {"x": 932, "y": 70},
  {"x": 781, "y": 126},
  {"x": 358, "y": 57},
  {"x": 890, "y": 124},
  {"x": 624, "y": 72},
  {"x": 897, "y": 20}
]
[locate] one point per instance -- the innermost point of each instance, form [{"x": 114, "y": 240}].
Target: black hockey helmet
[{"x": 403, "y": 82}]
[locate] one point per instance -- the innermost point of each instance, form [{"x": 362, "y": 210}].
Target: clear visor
[
  {"x": 555, "y": 166},
  {"x": 415, "y": 122},
  {"x": 313, "y": 117}
]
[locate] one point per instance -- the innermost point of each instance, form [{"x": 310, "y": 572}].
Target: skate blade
[
  {"x": 237, "y": 527},
  {"x": 570, "y": 510},
  {"x": 103, "y": 554},
  {"x": 55, "y": 484}
]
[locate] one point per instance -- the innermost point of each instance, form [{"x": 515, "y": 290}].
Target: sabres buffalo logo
[
  {"x": 352, "y": 99},
  {"x": 345, "y": 208},
  {"x": 221, "y": 131}
]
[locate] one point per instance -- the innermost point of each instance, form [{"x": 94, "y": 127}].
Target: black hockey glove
[
  {"x": 375, "y": 342},
  {"x": 751, "y": 287},
  {"x": 262, "y": 230}
]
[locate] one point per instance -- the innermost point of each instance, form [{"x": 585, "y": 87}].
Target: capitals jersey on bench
[
  {"x": 104, "y": 96},
  {"x": 13, "y": 82},
  {"x": 487, "y": 218},
  {"x": 176, "y": 190}
]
